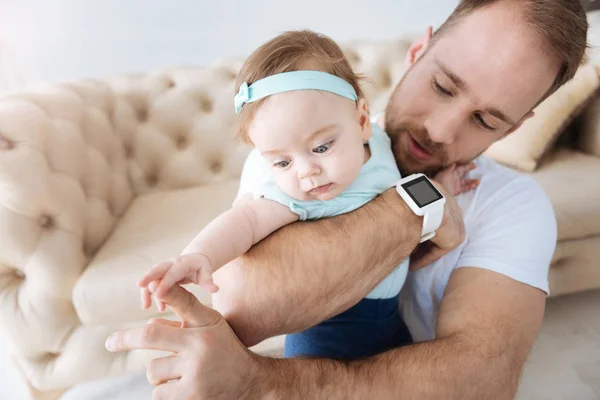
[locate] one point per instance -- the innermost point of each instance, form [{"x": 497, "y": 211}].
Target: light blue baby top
[{"x": 377, "y": 175}]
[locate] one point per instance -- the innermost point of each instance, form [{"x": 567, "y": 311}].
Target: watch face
[{"x": 422, "y": 191}]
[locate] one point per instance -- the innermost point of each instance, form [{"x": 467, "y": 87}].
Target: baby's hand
[
  {"x": 187, "y": 268},
  {"x": 453, "y": 178}
]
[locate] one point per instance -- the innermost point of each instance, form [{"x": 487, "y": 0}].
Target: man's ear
[
  {"x": 514, "y": 128},
  {"x": 364, "y": 119},
  {"x": 417, "y": 49}
]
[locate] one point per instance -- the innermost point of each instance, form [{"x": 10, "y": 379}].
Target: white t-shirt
[{"x": 510, "y": 229}]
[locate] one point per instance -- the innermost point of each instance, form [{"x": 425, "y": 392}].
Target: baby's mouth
[{"x": 320, "y": 189}]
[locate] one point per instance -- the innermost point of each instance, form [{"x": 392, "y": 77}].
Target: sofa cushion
[
  {"x": 588, "y": 139},
  {"x": 524, "y": 148},
  {"x": 158, "y": 225},
  {"x": 570, "y": 179}
]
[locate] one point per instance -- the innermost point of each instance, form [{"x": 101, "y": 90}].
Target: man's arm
[
  {"x": 486, "y": 326},
  {"x": 307, "y": 272}
]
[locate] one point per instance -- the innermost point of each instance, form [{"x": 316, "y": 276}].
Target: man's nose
[
  {"x": 443, "y": 127},
  {"x": 306, "y": 169}
]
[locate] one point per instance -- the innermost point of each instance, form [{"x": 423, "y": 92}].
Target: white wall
[{"x": 43, "y": 40}]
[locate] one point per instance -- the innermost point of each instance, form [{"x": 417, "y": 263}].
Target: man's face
[{"x": 474, "y": 85}]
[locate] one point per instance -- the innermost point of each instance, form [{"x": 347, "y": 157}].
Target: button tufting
[
  {"x": 128, "y": 150},
  {"x": 216, "y": 167},
  {"x": 112, "y": 208},
  {"x": 386, "y": 77},
  {"x": 230, "y": 74},
  {"x": 46, "y": 221},
  {"x": 6, "y": 144},
  {"x": 142, "y": 114},
  {"x": 206, "y": 105},
  {"x": 50, "y": 356},
  {"x": 19, "y": 274},
  {"x": 181, "y": 142},
  {"x": 152, "y": 180},
  {"x": 352, "y": 56}
]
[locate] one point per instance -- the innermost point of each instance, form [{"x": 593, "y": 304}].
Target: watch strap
[{"x": 431, "y": 221}]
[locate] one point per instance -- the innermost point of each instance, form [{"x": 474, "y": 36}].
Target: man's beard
[{"x": 399, "y": 132}]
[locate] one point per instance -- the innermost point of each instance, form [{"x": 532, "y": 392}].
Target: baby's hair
[{"x": 288, "y": 52}]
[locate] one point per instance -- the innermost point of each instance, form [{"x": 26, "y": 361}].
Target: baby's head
[{"x": 312, "y": 139}]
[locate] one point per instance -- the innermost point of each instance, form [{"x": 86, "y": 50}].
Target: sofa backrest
[{"x": 73, "y": 155}]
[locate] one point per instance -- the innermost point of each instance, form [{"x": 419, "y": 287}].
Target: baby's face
[{"x": 313, "y": 141}]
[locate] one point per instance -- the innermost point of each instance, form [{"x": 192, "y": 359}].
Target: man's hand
[
  {"x": 448, "y": 236},
  {"x": 208, "y": 361}
]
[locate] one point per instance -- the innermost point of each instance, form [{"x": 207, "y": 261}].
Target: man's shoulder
[
  {"x": 500, "y": 181},
  {"x": 510, "y": 225},
  {"x": 505, "y": 193}
]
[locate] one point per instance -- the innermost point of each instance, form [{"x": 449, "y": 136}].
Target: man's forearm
[
  {"x": 448, "y": 368},
  {"x": 308, "y": 272}
]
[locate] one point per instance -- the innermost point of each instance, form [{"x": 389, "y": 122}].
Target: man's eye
[
  {"x": 481, "y": 122},
  {"x": 440, "y": 89},
  {"x": 322, "y": 148},
  {"x": 281, "y": 164}
]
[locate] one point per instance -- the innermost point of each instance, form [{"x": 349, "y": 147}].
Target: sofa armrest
[
  {"x": 587, "y": 138},
  {"x": 63, "y": 185}
]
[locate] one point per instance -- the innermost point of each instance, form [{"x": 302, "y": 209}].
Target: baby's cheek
[{"x": 289, "y": 185}]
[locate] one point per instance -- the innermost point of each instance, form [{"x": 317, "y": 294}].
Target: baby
[{"x": 317, "y": 155}]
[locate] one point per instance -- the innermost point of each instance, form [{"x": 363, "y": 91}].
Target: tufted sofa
[{"x": 99, "y": 179}]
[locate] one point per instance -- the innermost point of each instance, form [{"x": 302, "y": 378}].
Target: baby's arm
[{"x": 227, "y": 237}]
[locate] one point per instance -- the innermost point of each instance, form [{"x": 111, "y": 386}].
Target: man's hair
[
  {"x": 285, "y": 53},
  {"x": 560, "y": 26}
]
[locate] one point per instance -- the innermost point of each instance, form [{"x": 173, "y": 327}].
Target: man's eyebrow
[
  {"x": 500, "y": 115},
  {"x": 457, "y": 80},
  {"x": 462, "y": 85}
]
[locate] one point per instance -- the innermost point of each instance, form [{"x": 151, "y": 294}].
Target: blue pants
[{"x": 372, "y": 326}]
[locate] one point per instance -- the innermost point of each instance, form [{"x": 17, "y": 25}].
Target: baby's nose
[{"x": 307, "y": 169}]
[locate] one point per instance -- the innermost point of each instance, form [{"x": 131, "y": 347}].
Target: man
[{"x": 475, "y": 310}]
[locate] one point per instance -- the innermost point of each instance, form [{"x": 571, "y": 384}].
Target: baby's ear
[{"x": 364, "y": 119}]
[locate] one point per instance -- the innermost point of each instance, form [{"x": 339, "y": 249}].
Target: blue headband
[{"x": 295, "y": 80}]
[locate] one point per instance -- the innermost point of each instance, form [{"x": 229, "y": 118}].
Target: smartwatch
[{"x": 424, "y": 200}]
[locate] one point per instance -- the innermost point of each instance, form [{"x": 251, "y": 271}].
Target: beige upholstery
[
  {"x": 588, "y": 139},
  {"x": 524, "y": 148},
  {"x": 575, "y": 266},
  {"x": 568, "y": 177},
  {"x": 157, "y": 226},
  {"x": 93, "y": 178},
  {"x": 101, "y": 178}
]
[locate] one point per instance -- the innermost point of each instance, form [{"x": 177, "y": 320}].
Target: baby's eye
[
  {"x": 322, "y": 148},
  {"x": 281, "y": 164}
]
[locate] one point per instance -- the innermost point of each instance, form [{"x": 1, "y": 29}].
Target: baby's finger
[
  {"x": 146, "y": 298},
  {"x": 171, "y": 278},
  {"x": 160, "y": 305},
  {"x": 206, "y": 281},
  {"x": 156, "y": 272},
  {"x": 470, "y": 184}
]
